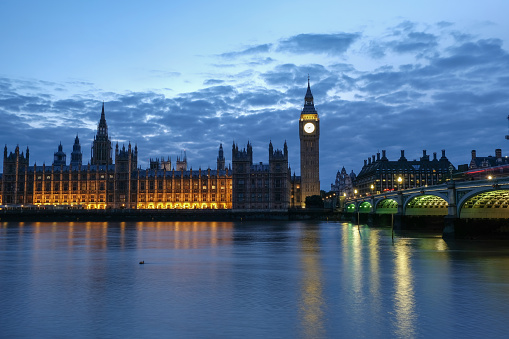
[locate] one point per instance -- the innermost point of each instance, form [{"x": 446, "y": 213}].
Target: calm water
[{"x": 232, "y": 280}]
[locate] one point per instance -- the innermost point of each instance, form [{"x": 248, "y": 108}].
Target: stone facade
[
  {"x": 485, "y": 167},
  {"x": 343, "y": 186},
  {"x": 309, "y": 134},
  {"x": 105, "y": 185},
  {"x": 260, "y": 186},
  {"x": 119, "y": 183},
  {"x": 383, "y": 174}
]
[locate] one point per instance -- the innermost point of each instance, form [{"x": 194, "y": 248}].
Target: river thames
[{"x": 261, "y": 280}]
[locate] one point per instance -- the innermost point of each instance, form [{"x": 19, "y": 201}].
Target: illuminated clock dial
[{"x": 309, "y": 127}]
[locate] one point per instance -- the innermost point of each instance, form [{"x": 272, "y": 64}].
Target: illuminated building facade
[
  {"x": 309, "y": 134},
  {"x": 102, "y": 184},
  {"x": 380, "y": 175},
  {"x": 488, "y": 167},
  {"x": 107, "y": 182},
  {"x": 343, "y": 186}
]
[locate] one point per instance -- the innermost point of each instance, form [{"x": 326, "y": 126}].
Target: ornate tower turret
[
  {"x": 182, "y": 162},
  {"x": 220, "y": 159},
  {"x": 76, "y": 156},
  {"x": 59, "y": 157},
  {"x": 309, "y": 133},
  {"x": 101, "y": 148}
]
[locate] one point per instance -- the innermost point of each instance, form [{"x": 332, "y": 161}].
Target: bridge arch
[
  {"x": 386, "y": 206},
  {"x": 426, "y": 204},
  {"x": 365, "y": 207},
  {"x": 351, "y": 207},
  {"x": 485, "y": 203}
]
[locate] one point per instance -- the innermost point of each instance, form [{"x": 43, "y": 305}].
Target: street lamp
[
  {"x": 372, "y": 188},
  {"x": 490, "y": 177},
  {"x": 355, "y": 192},
  {"x": 400, "y": 180}
]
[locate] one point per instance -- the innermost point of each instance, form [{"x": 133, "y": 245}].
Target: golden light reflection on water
[
  {"x": 311, "y": 300},
  {"x": 70, "y": 237},
  {"x": 404, "y": 298},
  {"x": 185, "y": 235},
  {"x": 98, "y": 235},
  {"x": 374, "y": 269},
  {"x": 353, "y": 276}
]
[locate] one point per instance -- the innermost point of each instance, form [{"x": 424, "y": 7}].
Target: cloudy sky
[{"x": 190, "y": 75}]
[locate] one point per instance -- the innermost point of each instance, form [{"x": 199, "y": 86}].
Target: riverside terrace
[{"x": 459, "y": 208}]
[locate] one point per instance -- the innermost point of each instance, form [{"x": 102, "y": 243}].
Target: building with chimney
[
  {"x": 381, "y": 174},
  {"x": 486, "y": 167}
]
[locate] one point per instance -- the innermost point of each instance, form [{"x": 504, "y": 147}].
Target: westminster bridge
[{"x": 459, "y": 208}]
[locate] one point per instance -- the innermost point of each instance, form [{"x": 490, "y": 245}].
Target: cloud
[
  {"x": 260, "y": 61},
  {"x": 293, "y": 75},
  {"x": 446, "y": 93},
  {"x": 164, "y": 74},
  {"x": 403, "y": 39},
  {"x": 444, "y": 24},
  {"x": 252, "y": 50},
  {"x": 415, "y": 41},
  {"x": 331, "y": 44},
  {"x": 209, "y": 82}
]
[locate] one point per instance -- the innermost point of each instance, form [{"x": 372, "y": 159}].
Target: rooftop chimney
[
  {"x": 402, "y": 158},
  {"x": 473, "y": 154},
  {"x": 498, "y": 153},
  {"x": 443, "y": 155}
]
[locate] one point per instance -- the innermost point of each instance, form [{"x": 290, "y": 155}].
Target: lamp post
[
  {"x": 400, "y": 180},
  {"x": 372, "y": 188}
]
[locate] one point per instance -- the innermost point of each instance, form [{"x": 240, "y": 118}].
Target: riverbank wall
[{"x": 162, "y": 215}]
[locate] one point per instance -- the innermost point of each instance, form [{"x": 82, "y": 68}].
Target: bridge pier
[
  {"x": 449, "y": 227},
  {"x": 398, "y": 221},
  {"x": 451, "y": 218},
  {"x": 371, "y": 219},
  {"x": 399, "y": 218}
]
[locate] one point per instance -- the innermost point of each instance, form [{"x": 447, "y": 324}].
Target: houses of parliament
[{"x": 117, "y": 182}]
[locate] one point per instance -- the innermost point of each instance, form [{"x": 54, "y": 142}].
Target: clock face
[{"x": 309, "y": 127}]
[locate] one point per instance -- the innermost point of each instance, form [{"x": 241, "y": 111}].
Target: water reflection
[
  {"x": 404, "y": 299},
  {"x": 311, "y": 300},
  {"x": 284, "y": 279},
  {"x": 100, "y": 236}
]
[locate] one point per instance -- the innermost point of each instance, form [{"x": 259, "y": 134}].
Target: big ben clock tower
[{"x": 309, "y": 134}]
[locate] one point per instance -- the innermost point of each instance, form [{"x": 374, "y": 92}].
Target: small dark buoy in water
[{"x": 142, "y": 262}]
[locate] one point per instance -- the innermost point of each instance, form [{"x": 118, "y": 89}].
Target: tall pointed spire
[
  {"x": 102, "y": 127},
  {"x": 101, "y": 148},
  {"x": 309, "y": 106},
  {"x": 308, "y": 99}
]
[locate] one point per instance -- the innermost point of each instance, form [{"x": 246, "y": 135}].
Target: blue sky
[{"x": 187, "y": 76}]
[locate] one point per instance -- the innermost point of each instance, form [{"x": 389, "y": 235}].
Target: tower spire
[
  {"x": 103, "y": 117},
  {"x": 308, "y": 99},
  {"x": 101, "y": 147}
]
